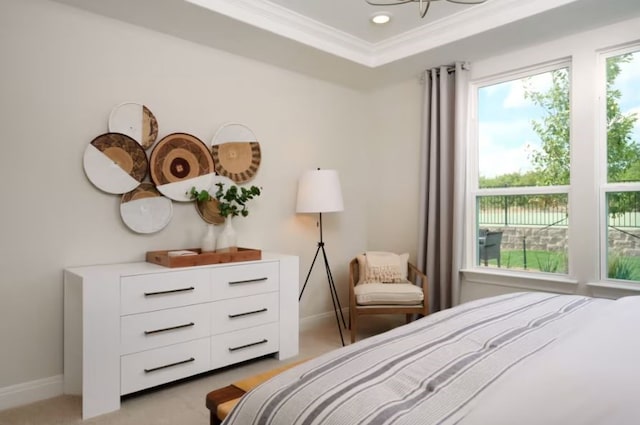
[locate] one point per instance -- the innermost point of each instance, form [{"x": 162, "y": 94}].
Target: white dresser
[{"x": 132, "y": 326}]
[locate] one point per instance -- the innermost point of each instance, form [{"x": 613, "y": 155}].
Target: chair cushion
[
  {"x": 383, "y": 294},
  {"x": 382, "y": 267}
]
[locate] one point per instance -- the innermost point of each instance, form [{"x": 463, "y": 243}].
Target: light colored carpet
[{"x": 183, "y": 403}]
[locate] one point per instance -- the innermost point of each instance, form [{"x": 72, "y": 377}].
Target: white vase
[
  {"x": 228, "y": 240},
  {"x": 208, "y": 242}
]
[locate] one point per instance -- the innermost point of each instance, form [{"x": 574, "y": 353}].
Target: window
[
  {"x": 521, "y": 187},
  {"x": 621, "y": 190}
]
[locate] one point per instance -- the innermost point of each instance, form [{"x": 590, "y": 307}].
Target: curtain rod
[{"x": 450, "y": 69}]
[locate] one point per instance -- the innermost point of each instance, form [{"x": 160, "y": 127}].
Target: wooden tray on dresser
[{"x": 203, "y": 258}]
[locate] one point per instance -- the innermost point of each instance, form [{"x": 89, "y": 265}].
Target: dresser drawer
[
  {"x": 142, "y": 293},
  {"x": 234, "y": 347},
  {"x": 154, "y": 367},
  {"x": 243, "y": 280},
  {"x": 139, "y": 332},
  {"x": 239, "y": 313}
]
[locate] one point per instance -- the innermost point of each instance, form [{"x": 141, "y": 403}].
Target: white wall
[
  {"x": 393, "y": 187},
  {"x": 62, "y": 71}
]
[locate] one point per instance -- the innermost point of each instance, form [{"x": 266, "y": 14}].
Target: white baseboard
[
  {"x": 41, "y": 389},
  {"x": 29, "y": 392},
  {"x": 309, "y": 322}
]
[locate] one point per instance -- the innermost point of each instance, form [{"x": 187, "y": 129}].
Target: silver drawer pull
[
  {"x": 170, "y": 291},
  {"x": 233, "y": 316},
  {"x": 237, "y": 282},
  {"x": 153, "y": 369},
  {"x": 248, "y": 345},
  {"x": 172, "y": 328}
]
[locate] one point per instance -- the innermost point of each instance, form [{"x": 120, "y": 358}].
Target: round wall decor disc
[
  {"x": 115, "y": 163},
  {"x": 213, "y": 214},
  {"x": 145, "y": 210},
  {"x": 209, "y": 211},
  {"x": 237, "y": 160},
  {"x": 136, "y": 121},
  {"x": 236, "y": 152},
  {"x": 179, "y": 162}
]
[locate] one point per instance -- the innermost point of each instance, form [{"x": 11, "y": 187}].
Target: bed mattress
[{"x": 431, "y": 371}]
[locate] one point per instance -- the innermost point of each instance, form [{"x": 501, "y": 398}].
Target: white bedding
[
  {"x": 589, "y": 377},
  {"x": 462, "y": 366}
]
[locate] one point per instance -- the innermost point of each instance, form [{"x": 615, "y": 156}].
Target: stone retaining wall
[{"x": 555, "y": 239}]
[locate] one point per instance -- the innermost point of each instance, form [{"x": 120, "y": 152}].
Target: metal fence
[
  {"x": 551, "y": 210},
  {"x": 523, "y": 210}
]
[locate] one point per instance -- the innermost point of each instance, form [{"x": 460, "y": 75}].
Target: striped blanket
[{"x": 427, "y": 372}]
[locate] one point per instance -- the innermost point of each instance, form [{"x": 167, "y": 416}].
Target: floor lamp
[{"x": 319, "y": 192}]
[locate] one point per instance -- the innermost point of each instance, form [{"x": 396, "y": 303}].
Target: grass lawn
[
  {"x": 544, "y": 261},
  {"x": 625, "y": 268}
]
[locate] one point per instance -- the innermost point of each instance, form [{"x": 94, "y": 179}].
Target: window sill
[
  {"x": 613, "y": 289},
  {"x": 521, "y": 280}
]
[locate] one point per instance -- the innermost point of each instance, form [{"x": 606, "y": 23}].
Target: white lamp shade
[{"x": 319, "y": 191}]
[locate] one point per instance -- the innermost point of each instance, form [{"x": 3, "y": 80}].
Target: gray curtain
[{"x": 442, "y": 179}]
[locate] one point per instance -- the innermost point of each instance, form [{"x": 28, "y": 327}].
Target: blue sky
[
  {"x": 628, "y": 83},
  {"x": 506, "y": 137}
]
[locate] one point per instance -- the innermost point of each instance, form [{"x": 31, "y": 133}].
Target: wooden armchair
[{"x": 386, "y": 298}]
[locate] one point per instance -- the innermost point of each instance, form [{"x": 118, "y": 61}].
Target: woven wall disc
[
  {"x": 136, "y": 121},
  {"x": 178, "y": 157},
  {"x": 145, "y": 210},
  {"x": 115, "y": 163},
  {"x": 236, "y": 152},
  {"x": 237, "y": 160},
  {"x": 209, "y": 211},
  {"x": 144, "y": 191}
]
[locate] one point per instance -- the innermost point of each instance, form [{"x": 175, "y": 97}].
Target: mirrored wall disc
[
  {"x": 115, "y": 163},
  {"x": 136, "y": 121},
  {"x": 179, "y": 162},
  {"x": 145, "y": 210},
  {"x": 236, "y": 152}
]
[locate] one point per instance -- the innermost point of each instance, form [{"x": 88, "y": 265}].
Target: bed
[{"x": 526, "y": 358}]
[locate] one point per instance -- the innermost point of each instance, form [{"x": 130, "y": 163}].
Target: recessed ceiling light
[{"x": 381, "y": 18}]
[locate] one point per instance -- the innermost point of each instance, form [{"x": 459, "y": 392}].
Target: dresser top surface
[{"x": 142, "y": 267}]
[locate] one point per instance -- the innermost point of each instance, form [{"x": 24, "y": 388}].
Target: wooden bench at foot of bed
[{"x": 222, "y": 400}]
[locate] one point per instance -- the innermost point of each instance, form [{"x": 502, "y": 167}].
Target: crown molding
[
  {"x": 466, "y": 23},
  {"x": 287, "y": 23}
]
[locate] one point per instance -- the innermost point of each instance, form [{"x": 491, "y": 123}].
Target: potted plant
[
  {"x": 232, "y": 202},
  {"x": 208, "y": 209},
  {"x": 199, "y": 195}
]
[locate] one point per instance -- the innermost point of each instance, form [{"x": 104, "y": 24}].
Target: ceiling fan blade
[
  {"x": 424, "y": 8},
  {"x": 467, "y": 1},
  {"x": 388, "y": 2},
  {"x": 424, "y": 4}
]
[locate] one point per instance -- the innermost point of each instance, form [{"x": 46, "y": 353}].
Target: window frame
[
  {"x": 474, "y": 191},
  {"x": 603, "y": 172}
]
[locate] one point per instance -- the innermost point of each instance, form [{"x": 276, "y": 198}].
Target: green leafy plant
[
  {"x": 199, "y": 196},
  {"x": 620, "y": 268},
  {"x": 548, "y": 263},
  {"x": 233, "y": 201}
]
